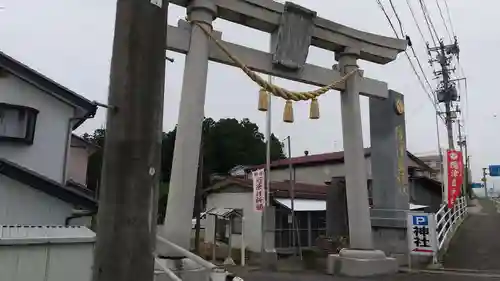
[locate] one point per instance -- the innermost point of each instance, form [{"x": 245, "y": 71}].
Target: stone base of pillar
[
  {"x": 229, "y": 261},
  {"x": 269, "y": 260},
  {"x": 361, "y": 263},
  {"x": 393, "y": 241}
]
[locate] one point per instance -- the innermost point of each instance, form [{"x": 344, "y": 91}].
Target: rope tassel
[
  {"x": 263, "y": 100},
  {"x": 288, "y": 112},
  {"x": 314, "y": 109}
]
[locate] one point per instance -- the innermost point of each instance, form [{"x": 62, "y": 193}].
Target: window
[{"x": 17, "y": 123}]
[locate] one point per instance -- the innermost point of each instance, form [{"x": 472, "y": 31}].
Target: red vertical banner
[
  {"x": 454, "y": 176},
  {"x": 259, "y": 193}
]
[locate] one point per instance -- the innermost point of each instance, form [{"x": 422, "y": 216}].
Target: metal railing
[
  {"x": 216, "y": 273},
  {"x": 448, "y": 220},
  {"x": 496, "y": 200},
  {"x": 168, "y": 272}
]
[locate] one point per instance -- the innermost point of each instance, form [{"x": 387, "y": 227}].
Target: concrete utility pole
[
  {"x": 126, "y": 228},
  {"x": 446, "y": 93},
  {"x": 292, "y": 197},
  {"x": 462, "y": 143},
  {"x": 485, "y": 181}
]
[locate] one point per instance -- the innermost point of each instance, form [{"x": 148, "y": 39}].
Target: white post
[
  {"x": 242, "y": 247},
  {"x": 214, "y": 240},
  {"x": 229, "y": 259},
  {"x": 266, "y": 249}
]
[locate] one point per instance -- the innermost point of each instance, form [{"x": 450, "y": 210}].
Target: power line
[
  {"x": 397, "y": 17},
  {"x": 422, "y": 70},
  {"x": 430, "y": 94},
  {"x": 429, "y": 17},
  {"x": 466, "y": 90},
  {"x": 444, "y": 21},
  {"x": 403, "y": 35},
  {"x": 416, "y": 22},
  {"x": 388, "y": 18},
  {"x": 449, "y": 17},
  {"x": 428, "y": 21}
]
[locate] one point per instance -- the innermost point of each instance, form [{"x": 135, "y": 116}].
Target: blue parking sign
[
  {"x": 494, "y": 170},
  {"x": 421, "y": 230},
  {"x": 420, "y": 220}
]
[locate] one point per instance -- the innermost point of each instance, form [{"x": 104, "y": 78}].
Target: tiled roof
[
  {"x": 65, "y": 193},
  {"x": 47, "y": 85},
  {"x": 331, "y": 157},
  {"x": 278, "y": 188}
]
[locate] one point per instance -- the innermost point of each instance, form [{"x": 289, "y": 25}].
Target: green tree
[
  {"x": 225, "y": 144},
  {"x": 95, "y": 160}
]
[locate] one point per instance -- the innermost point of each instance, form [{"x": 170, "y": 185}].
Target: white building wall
[
  {"x": 77, "y": 164},
  {"x": 252, "y": 219},
  {"x": 21, "y": 204},
  {"x": 317, "y": 174},
  {"x": 320, "y": 173},
  {"x": 47, "y": 154}
]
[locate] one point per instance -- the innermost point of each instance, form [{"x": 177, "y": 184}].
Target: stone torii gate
[{"x": 294, "y": 29}]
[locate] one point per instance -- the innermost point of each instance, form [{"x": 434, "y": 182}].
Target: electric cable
[
  {"x": 444, "y": 21},
  {"x": 430, "y": 94}
]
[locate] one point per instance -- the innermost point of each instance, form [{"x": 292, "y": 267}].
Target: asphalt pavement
[
  {"x": 476, "y": 245},
  {"x": 263, "y": 276}
]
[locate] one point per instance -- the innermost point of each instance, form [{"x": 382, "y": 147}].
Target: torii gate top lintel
[{"x": 265, "y": 15}]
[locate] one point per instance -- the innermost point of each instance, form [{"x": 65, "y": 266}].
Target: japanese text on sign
[
  {"x": 454, "y": 177},
  {"x": 402, "y": 178},
  {"x": 422, "y": 234},
  {"x": 259, "y": 194}
]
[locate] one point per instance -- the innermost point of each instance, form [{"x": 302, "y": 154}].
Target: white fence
[
  {"x": 50, "y": 253},
  {"x": 496, "y": 200},
  {"x": 448, "y": 220}
]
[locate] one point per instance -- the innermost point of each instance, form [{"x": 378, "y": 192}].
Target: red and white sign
[
  {"x": 453, "y": 178},
  {"x": 259, "y": 193}
]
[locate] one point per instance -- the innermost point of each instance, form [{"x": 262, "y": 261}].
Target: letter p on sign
[{"x": 420, "y": 220}]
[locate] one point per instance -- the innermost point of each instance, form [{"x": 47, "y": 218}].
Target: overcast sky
[{"x": 70, "y": 41}]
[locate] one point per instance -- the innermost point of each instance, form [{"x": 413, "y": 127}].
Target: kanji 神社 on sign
[{"x": 421, "y": 234}]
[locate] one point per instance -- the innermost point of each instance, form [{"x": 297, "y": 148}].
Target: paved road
[
  {"x": 476, "y": 245},
  {"x": 259, "y": 276}
]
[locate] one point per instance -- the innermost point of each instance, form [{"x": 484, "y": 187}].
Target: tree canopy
[{"x": 225, "y": 144}]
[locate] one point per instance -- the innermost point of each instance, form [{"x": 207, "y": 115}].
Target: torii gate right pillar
[
  {"x": 360, "y": 259},
  {"x": 360, "y": 236}
]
